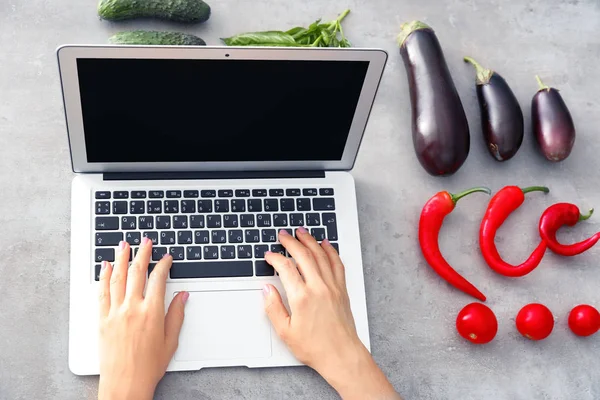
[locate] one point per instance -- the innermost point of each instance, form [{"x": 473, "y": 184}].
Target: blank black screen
[{"x": 149, "y": 110}]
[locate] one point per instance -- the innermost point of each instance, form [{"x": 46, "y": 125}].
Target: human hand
[
  {"x": 320, "y": 330},
  {"x": 137, "y": 340}
]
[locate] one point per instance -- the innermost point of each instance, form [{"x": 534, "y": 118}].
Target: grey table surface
[{"x": 411, "y": 310}]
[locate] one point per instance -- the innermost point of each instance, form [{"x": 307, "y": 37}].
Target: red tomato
[
  {"x": 535, "y": 321},
  {"x": 584, "y": 320},
  {"x": 477, "y": 323}
]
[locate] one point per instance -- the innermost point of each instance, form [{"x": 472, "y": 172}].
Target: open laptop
[{"x": 209, "y": 152}]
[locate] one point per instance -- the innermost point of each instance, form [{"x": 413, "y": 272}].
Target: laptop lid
[{"x": 169, "y": 109}]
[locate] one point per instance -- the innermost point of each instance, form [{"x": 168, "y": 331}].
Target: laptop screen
[{"x": 174, "y": 110}]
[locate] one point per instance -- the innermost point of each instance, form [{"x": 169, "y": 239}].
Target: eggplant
[
  {"x": 440, "y": 129},
  {"x": 552, "y": 123},
  {"x": 501, "y": 116}
]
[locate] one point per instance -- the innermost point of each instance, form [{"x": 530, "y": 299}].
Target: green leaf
[
  {"x": 296, "y": 30},
  {"x": 267, "y": 38}
]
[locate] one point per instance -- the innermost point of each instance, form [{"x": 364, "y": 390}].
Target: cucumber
[
  {"x": 156, "y": 38},
  {"x": 171, "y": 10}
]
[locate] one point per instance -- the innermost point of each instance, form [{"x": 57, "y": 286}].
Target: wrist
[{"x": 124, "y": 391}]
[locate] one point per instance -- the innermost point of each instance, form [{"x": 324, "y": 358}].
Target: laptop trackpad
[{"x": 222, "y": 325}]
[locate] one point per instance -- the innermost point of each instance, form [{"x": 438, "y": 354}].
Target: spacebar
[{"x": 211, "y": 269}]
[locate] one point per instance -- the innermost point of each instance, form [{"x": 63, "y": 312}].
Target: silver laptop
[{"x": 209, "y": 152}]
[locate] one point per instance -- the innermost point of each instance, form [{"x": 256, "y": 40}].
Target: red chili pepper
[
  {"x": 432, "y": 217},
  {"x": 561, "y": 214},
  {"x": 507, "y": 200}
]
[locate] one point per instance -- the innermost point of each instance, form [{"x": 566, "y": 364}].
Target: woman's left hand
[{"x": 137, "y": 340}]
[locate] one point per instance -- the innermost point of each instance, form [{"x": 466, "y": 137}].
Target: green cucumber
[
  {"x": 171, "y": 10},
  {"x": 156, "y": 38}
]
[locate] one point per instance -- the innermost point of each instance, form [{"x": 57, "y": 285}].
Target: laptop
[{"x": 209, "y": 151}]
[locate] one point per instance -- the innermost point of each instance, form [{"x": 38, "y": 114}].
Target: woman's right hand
[{"x": 320, "y": 329}]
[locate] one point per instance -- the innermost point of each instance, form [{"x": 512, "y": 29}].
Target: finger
[
  {"x": 318, "y": 253},
  {"x": 104, "y": 291},
  {"x": 276, "y": 311},
  {"x": 118, "y": 277},
  {"x": 173, "y": 322},
  {"x": 136, "y": 275},
  {"x": 337, "y": 266},
  {"x": 303, "y": 256},
  {"x": 288, "y": 273},
  {"x": 157, "y": 282}
]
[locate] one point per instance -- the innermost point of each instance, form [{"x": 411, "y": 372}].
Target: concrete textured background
[{"x": 411, "y": 310}]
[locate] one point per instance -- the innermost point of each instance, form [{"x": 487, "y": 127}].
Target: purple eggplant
[
  {"x": 501, "y": 115},
  {"x": 552, "y": 123},
  {"x": 440, "y": 129}
]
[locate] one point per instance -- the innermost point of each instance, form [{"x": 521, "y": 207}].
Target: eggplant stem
[
  {"x": 483, "y": 75},
  {"x": 409, "y": 27},
  {"x": 541, "y": 84},
  {"x": 583, "y": 217}
]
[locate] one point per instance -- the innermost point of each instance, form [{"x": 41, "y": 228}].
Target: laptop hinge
[{"x": 157, "y": 176}]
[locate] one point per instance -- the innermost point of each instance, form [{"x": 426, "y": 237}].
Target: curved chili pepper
[
  {"x": 432, "y": 218},
  {"x": 507, "y": 200},
  {"x": 561, "y": 214}
]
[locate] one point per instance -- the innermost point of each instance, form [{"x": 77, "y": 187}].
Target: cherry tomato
[
  {"x": 535, "y": 321},
  {"x": 477, "y": 323},
  {"x": 584, "y": 320}
]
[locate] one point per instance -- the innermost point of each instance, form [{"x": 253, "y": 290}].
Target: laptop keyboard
[{"x": 210, "y": 233}]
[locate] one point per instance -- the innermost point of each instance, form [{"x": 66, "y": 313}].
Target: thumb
[
  {"x": 276, "y": 311},
  {"x": 174, "y": 321}
]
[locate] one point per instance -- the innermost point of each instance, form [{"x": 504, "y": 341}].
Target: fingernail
[
  {"x": 166, "y": 255},
  {"x": 267, "y": 290},
  {"x": 326, "y": 242},
  {"x": 302, "y": 229},
  {"x": 145, "y": 241},
  {"x": 122, "y": 245},
  {"x": 184, "y": 297},
  {"x": 103, "y": 266},
  {"x": 268, "y": 252},
  {"x": 283, "y": 232}
]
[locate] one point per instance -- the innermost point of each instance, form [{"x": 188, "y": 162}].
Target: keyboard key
[
  {"x": 167, "y": 237},
  {"x": 173, "y": 194},
  {"x": 180, "y": 222},
  {"x": 263, "y": 220},
  {"x": 128, "y": 223},
  {"x": 177, "y": 253},
  {"x": 188, "y": 206},
  {"x": 190, "y": 194},
  {"x": 152, "y": 236},
  {"x": 138, "y": 194},
  {"x": 208, "y": 193},
  {"x": 225, "y": 193},
  {"x": 330, "y": 222},
  {"x": 309, "y": 192},
  {"x": 184, "y": 237},
  {"x": 242, "y": 193},
  {"x": 263, "y": 269},
  {"x": 260, "y": 249},
  {"x": 133, "y": 238},
  {"x": 326, "y": 192},
  {"x": 205, "y": 206},
  {"x": 289, "y": 231},
  {"x": 107, "y": 223},
  {"x": 221, "y": 206},
  {"x": 227, "y": 252},
  {"x": 154, "y": 207},
  {"x": 313, "y": 219},
  {"x": 158, "y": 253},
  {"x": 336, "y": 247},
  {"x": 324, "y": 204},
  {"x": 269, "y": 235},
  {"x": 252, "y": 235},
  {"x": 238, "y": 205},
  {"x": 247, "y": 220},
  {"x": 213, "y": 221},
  {"x": 196, "y": 221},
  {"x": 303, "y": 204},
  {"x": 244, "y": 251},
  {"x": 236, "y": 236},
  {"x": 119, "y": 207},
  {"x": 103, "y": 195},
  {"x": 163, "y": 222},
  {"x": 104, "y": 255},
  {"x": 103, "y": 207},
  {"x": 211, "y": 269},
  {"x": 277, "y": 248},
  {"x": 194, "y": 253},
  {"x": 172, "y": 206},
  {"x": 271, "y": 205},
  {"x": 296, "y": 219},
  {"x": 292, "y": 192},
  {"x": 259, "y": 192},
  {"x": 121, "y": 195},
  {"x": 210, "y": 253},
  {"x": 287, "y": 205},
  {"x": 97, "y": 272},
  {"x": 254, "y": 205},
  {"x": 275, "y": 192},
  {"x": 280, "y": 220},
  {"x": 156, "y": 194},
  {"x": 146, "y": 222},
  {"x": 318, "y": 234},
  {"x": 218, "y": 236},
  {"x": 137, "y": 207},
  {"x": 201, "y": 237},
  {"x": 108, "y": 238},
  {"x": 230, "y": 221}
]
